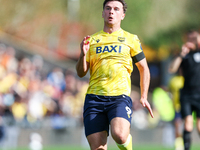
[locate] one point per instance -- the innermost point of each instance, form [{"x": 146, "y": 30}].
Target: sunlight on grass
[{"x": 135, "y": 147}]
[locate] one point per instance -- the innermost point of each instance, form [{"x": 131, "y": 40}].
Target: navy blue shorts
[{"x": 100, "y": 110}]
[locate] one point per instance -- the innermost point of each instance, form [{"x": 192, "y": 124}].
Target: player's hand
[
  {"x": 146, "y": 104},
  {"x": 186, "y": 49},
  {"x": 85, "y": 45}
]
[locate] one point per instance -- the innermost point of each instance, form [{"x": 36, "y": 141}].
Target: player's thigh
[
  {"x": 120, "y": 129},
  {"x": 96, "y": 122},
  {"x": 98, "y": 140}
]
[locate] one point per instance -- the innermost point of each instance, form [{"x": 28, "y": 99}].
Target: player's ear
[
  {"x": 102, "y": 14},
  {"x": 123, "y": 16}
]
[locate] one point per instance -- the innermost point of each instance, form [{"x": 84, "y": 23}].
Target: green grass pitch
[{"x": 135, "y": 147}]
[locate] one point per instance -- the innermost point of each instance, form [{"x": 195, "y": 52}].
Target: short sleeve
[{"x": 136, "y": 47}]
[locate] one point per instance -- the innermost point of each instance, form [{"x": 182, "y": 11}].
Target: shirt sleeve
[{"x": 136, "y": 50}]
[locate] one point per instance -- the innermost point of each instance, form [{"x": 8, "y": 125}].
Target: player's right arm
[{"x": 82, "y": 65}]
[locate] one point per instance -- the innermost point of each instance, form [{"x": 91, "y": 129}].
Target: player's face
[
  {"x": 193, "y": 38},
  {"x": 113, "y": 13}
]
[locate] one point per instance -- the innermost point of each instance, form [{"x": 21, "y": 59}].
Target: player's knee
[
  {"x": 189, "y": 127},
  {"x": 98, "y": 147},
  {"x": 119, "y": 137},
  {"x": 189, "y": 124}
]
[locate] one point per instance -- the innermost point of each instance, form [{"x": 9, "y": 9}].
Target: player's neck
[{"x": 110, "y": 29}]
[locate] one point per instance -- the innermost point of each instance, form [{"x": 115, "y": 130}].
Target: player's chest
[{"x": 109, "y": 49}]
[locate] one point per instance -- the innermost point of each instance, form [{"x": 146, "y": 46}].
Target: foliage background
[{"x": 60, "y": 25}]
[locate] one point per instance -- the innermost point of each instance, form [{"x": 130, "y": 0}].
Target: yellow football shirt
[
  {"x": 110, "y": 59},
  {"x": 175, "y": 85}
]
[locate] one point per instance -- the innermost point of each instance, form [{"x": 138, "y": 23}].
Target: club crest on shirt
[
  {"x": 97, "y": 40},
  {"x": 121, "y": 39}
]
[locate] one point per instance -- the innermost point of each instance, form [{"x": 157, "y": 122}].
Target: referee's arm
[{"x": 175, "y": 64}]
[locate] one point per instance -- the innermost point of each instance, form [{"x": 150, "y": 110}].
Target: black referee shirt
[{"x": 191, "y": 71}]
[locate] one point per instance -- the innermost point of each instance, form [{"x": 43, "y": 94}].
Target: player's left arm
[{"x": 144, "y": 83}]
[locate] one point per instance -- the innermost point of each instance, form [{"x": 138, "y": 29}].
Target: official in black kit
[{"x": 189, "y": 63}]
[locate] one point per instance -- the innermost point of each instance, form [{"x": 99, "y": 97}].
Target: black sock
[{"x": 186, "y": 139}]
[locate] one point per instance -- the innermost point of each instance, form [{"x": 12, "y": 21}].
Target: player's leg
[
  {"x": 197, "y": 110},
  {"x": 186, "y": 113},
  {"x": 178, "y": 124},
  {"x": 98, "y": 141},
  {"x": 188, "y": 127},
  {"x": 96, "y": 123},
  {"x": 178, "y": 127},
  {"x": 198, "y": 117},
  {"x": 119, "y": 114},
  {"x": 198, "y": 125},
  {"x": 188, "y": 123},
  {"x": 120, "y": 131}
]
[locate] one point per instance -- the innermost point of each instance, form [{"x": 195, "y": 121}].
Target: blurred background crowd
[{"x": 29, "y": 95}]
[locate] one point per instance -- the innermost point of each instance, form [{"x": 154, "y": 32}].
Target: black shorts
[
  {"x": 100, "y": 110},
  {"x": 190, "y": 102}
]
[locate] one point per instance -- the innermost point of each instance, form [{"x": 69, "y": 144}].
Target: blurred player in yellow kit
[
  {"x": 109, "y": 55},
  {"x": 175, "y": 85}
]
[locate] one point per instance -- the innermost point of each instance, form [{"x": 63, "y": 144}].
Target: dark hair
[
  {"x": 192, "y": 35},
  {"x": 121, "y": 1}
]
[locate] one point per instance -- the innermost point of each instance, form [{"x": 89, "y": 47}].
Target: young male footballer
[{"x": 109, "y": 54}]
